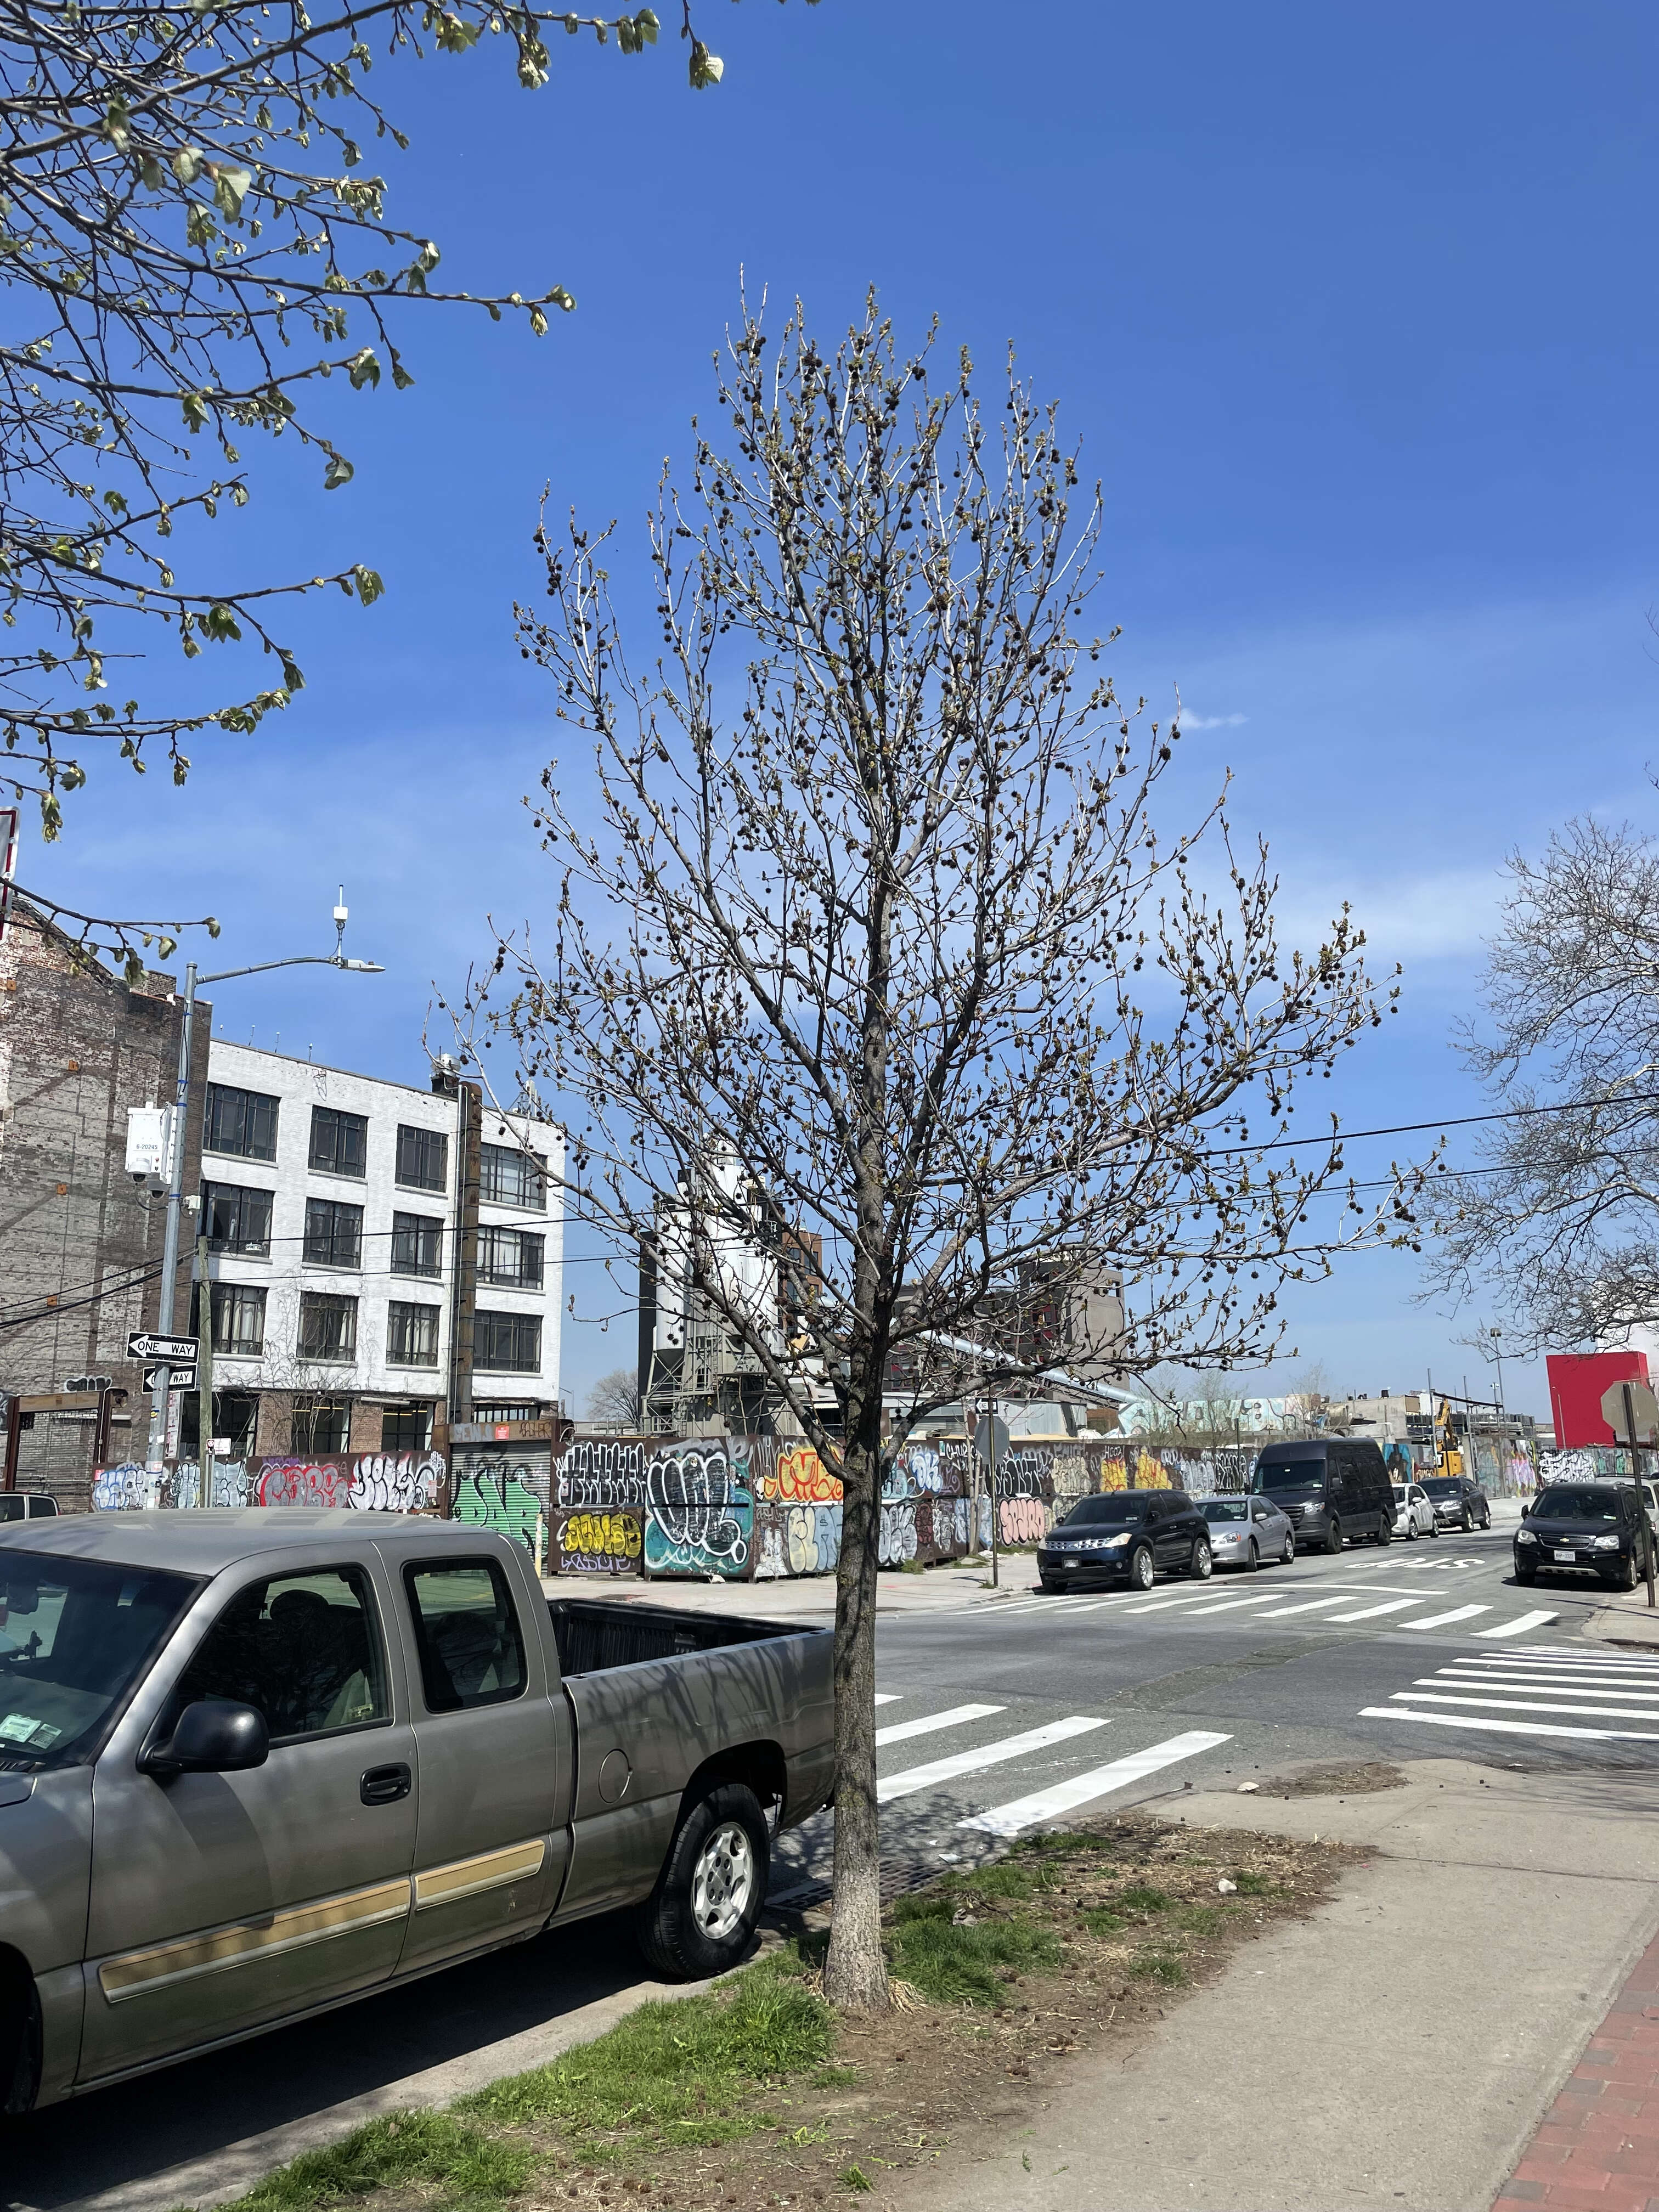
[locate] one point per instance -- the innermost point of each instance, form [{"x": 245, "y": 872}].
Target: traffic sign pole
[{"x": 158, "y": 1416}]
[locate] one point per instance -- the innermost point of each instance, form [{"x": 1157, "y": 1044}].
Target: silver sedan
[
  {"x": 1245, "y": 1532},
  {"x": 1414, "y": 1510}
]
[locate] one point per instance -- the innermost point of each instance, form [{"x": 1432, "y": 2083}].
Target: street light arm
[{"x": 298, "y": 960}]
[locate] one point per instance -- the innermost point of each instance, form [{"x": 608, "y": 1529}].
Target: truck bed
[{"x": 594, "y": 1635}]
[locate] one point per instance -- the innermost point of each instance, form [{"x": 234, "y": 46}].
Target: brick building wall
[{"x": 80, "y": 1247}]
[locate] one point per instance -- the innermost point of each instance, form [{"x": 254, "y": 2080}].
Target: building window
[
  {"x": 417, "y": 1243},
  {"x": 239, "y": 1320},
  {"x": 328, "y": 1329},
  {"x": 508, "y": 1175},
  {"x": 512, "y": 1256},
  {"x": 422, "y": 1158},
  {"x": 319, "y": 1426},
  {"x": 406, "y": 1429},
  {"x": 236, "y": 1219},
  {"x": 240, "y": 1121},
  {"x": 508, "y": 1343},
  {"x": 518, "y": 1412},
  {"x": 334, "y": 1233},
  {"x": 339, "y": 1141},
  {"x": 411, "y": 1335}
]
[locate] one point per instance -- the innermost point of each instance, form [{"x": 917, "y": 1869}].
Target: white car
[{"x": 1413, "y": 1512}]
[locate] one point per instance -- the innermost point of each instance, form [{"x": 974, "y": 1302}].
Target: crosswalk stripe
[
  {"x": 1044, "y": 1805},
  {"x": 1529, "y": 1705},
  {"x": 905, "y": 1784},
  {"x": 1233, "y": 1604},
  {"x": 1600, "y": 1663},
  {"x": 888, "y": 1697},
  {"x": 1572, "y": 1685},
  {"x": 1544, "y": 1670},
  {"x": 1163, "y": 1604},
  {"x": 1442, "y": 1619},
  {"x": 1507, "y": 1727},
  {"x": 901, "y": 1731},
  {"x": 1519, "y": 1627},
  {"x": 1370, "y": 1611},
  {"x": 1317, "y": 1605}
]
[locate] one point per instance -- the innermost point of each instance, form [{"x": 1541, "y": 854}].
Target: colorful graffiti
[
  {"x": 596, "y": 1543},
  {"x": 508, "y": 1497},
  {"x": 601, "y": 1474},
  {"x": 227, "y": 1485},
  {"x": 700, "y": 1511},
  {"x": 129, "y": 1488},
  {"x": 302, "y": 1482},
  {"x": 798, "y": 1477}
]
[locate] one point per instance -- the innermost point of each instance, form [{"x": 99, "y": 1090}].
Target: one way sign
[
  {"x": 144, "y": 1346},
  {"x": 179, "y": 1378}
]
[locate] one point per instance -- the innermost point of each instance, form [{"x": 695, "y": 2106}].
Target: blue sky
[{"x": 1351, "y": 312}]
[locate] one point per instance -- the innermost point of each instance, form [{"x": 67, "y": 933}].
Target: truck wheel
[
  {"x": 20, "y": 2045},
  {"x": 1385, "y": 1529},
  {"x": 700, "y": 1918},
  {"x": 1334, "y": 1537}
]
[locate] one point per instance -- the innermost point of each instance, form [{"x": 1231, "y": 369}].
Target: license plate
[
  {"x": 1069, "y": 1559},
  {"x": 1566, "y": 1555}
]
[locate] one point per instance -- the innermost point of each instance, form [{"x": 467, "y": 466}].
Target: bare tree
[
  {"x": 869, "y": 962},
  {"x": 1561, "y": 1219},
  {"x": 192, "y": 244},
  {"x": 616, "y": 1397}
]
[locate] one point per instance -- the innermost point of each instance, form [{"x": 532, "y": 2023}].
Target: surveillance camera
[{"x": 141, "y": 1177}]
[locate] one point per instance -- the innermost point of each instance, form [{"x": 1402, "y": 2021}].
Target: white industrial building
[{"x": 384, "y": 1260}]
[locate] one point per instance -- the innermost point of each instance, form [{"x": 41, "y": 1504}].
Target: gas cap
[{"x": 615, "y": 1775}]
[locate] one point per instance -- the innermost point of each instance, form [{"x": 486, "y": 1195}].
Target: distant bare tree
[
  {"x": 617, "y": 1397},
  {"x": 869, "y": 961},
  {"x": 1562, "y": 1220}
]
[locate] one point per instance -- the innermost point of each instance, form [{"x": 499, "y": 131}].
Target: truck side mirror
[{"x": 212, "y": 1737}]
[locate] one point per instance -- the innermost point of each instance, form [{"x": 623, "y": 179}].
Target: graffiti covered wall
[{"x": 367, "y": 1482}]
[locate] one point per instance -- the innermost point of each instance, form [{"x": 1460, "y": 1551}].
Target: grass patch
[
  {"x": 1161, "y": 1966},
  {"x": 679, "y": 2069},
  {"x": 1256, "y": 1885},
  {"x": 1141, "y": 1897},
  {"x": 1003, "y": 1878},
  {"x": 1100, "y": 1920},
  {"x": 953, "y": 1965},
  {"x": 473, "y": 2169},
  {"x": 1203, "y": 1919},
  {"x": 855, "y": 2179},
  {"x": 1062, "y": 1839}
]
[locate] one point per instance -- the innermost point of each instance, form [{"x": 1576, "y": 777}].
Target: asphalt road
[{"x": 1209, "y": 1685}]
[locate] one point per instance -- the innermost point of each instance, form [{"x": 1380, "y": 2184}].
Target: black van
[{"x": 1336, "y": 1487}]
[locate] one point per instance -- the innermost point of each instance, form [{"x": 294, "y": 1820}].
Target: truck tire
[
  {"x": 700, "y": 1918},
  {"x": 1334, "y": 1537},
  {"x": 20, "y": 2046}
]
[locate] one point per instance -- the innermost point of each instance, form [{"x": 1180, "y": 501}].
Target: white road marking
[
  {"x": 1370, "y": 1611},
  {"x": 1044, "y": 1805},
  {"x": 1163, "y": 1604},
  {"x": 1506, "y": 1728},
  {"x": 1471, "y": 1670},
  {"x": 1441, "y": 1619},
  {"x": 1233, "y": 1604},
  {"x": 1520, "y": 1624},
  {"x": 901, "y": 1731},
  {"x": 1573, "y": 1685},
  {"x": 1318, "y": 1604},
  {"x": 912, "y": 1778},
  {"x": 887, "y": 1696},
  {"x": 1608, "y": 1663},
  {"x": 1530, "y": 1705}
]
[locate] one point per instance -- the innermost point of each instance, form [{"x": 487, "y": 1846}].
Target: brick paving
[{"x": 1597, "y": 2147}]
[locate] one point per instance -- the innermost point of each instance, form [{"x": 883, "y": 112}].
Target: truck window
[
  {"x": 303, "y": 1649},
  {"x": 466, "y": 1632},
  {"x": 75, "y": 1635}
]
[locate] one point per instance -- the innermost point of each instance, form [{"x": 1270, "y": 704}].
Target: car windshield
[
  {"x": 1224, "y": 1508},
  {"x": 1578, "y": 1504},
  {"x": 74, "y": 1634},
  {"x": 1442, "y": 1485},
  {"x": 1120, "y": 1508},
  {"x": 1290, "y": 1478}
]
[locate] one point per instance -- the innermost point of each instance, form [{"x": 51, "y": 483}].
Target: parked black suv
[
  {"x": 1458, "y": 1502},
  {"x": 1124, "y": 1536},
  {"x": 1334, "y": 1488},
  {"x": 1583, "y": 1528}
]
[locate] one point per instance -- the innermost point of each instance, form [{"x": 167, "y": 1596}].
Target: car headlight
[
  {"x": 1525, "y": 1536},
  {"x": 1604, "y": 1543},
  {"x": 1115, "y": 1543}
]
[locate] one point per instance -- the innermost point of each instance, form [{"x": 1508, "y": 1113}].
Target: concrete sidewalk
[
  {"x": 813, "y": 1597},
  {"x": 1398, "y": 2048}
]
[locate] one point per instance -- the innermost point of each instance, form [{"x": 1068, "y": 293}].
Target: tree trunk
[{"x": 855, "y": 1973}]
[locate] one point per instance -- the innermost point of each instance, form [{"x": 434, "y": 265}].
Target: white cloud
[{"x": 1210, "y": 721}]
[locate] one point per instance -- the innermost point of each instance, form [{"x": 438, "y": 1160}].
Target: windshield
[
  {"x": 74, "y": 1635},
  {"x": 1442, "y": 1485},
  {"x": 1290, "y": 1478},
  {"x": 1224, "y": 1508},
  {"x": 1578, "y": 1504},
  {"x": 1118, "y": 1506}
]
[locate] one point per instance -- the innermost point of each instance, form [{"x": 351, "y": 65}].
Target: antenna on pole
[{"x": 341, "y": 915}]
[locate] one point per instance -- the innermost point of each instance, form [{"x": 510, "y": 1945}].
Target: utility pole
[
  {"x": 991, "y": 1461},
  {"x": 204, "y": 1370},
  {"x": 1636, "y": 1476}
]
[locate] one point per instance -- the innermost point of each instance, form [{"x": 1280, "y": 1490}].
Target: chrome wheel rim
[
  {"x": 723, "y": 1881},
  {"x": 1142, "y": 1571}
]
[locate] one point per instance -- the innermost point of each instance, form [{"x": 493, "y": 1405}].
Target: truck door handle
[{"x": 385, "y": 1785}]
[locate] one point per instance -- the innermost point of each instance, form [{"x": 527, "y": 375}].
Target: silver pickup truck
[{"x": 255, "y": 1765}]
